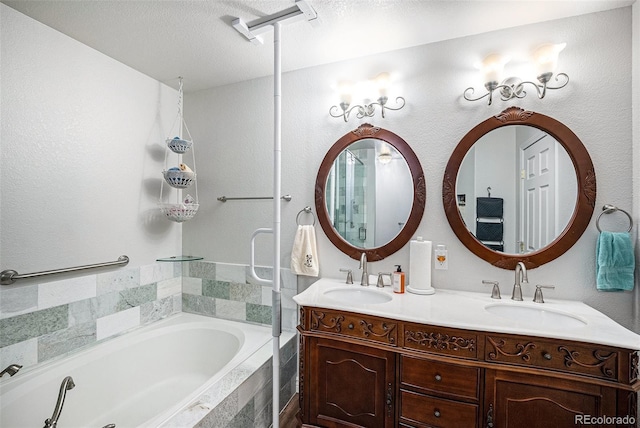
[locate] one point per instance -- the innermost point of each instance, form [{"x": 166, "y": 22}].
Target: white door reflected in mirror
[{"x": 529, "y": 182}]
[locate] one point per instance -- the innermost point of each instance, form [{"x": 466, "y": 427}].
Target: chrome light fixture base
[
  {"x": 513, "y": 87},
  {"x": 366, "y": 110}
]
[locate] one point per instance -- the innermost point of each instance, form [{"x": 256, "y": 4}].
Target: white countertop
[{"x": 467, "y": 310}]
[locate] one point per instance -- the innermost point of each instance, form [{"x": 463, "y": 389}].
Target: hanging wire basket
[
  {"x": 179, "y": 212},
  {"x": 179, "y": 179},
  {"x": 179, "y": 145}
]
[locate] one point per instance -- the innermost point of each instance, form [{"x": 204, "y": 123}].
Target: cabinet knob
[
  {"x": 438, "y": 378},
  {"x": 547, "y": 356},
  {"x": 350, "y": 326},
  {"x": 436, "y": 413}
]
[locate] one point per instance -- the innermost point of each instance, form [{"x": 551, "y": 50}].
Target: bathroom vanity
[{"x": 458, "y": 359}]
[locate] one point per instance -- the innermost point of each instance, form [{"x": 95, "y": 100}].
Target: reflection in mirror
[
  {"x": 516, "y": 189},
  {"x": 370, "y": 193},
  {"x": 542, "y": 187}
]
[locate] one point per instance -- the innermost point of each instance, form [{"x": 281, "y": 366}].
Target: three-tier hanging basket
[{"x": 182, "y": 176}]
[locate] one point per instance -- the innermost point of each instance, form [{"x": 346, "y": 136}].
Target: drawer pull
[
  {"x": 438, "y": 378},
  {"x": 436, "y": 413},
  {"x": 547, "y": 356},
  {"x": 350, "y": 326}
]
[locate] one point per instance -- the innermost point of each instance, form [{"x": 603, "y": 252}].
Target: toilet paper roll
[{"x": 420, "y": 267}]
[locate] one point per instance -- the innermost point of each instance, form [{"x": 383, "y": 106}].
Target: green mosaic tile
[
  {"x": 217, "y": 289},
  {"x": 23, "y": 327},
  {"x": 198, "y": 304},
  {"x": 258, "y": 313},
  {"x": 202, "y": 270},
  {"x": 133, "y": 297}
]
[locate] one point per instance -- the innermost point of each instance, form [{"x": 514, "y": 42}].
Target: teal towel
[{"x": 615, "y": 262}]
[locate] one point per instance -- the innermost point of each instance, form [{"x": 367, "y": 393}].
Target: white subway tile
[
  {"x": 117, "y": 323},
  {"x": 58, "y": 293}
]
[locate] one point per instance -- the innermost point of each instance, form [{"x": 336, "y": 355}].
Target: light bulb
[
  {"x": 492, "y": 67},
  {"x": 546, "y": 58}
]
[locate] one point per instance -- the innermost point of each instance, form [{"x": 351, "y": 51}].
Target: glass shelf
[{"x": 179, "y": 259}]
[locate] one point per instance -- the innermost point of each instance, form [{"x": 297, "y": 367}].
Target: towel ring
[
  {"x": 306, "y": 210},
  {"x": 608, "y": 209}
]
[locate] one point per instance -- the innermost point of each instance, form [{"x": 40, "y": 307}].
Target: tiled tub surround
[
  {"x": 229, "y": 291},
  {"x": 220, "y": 376},
  {"x": 40, "y": 321}
]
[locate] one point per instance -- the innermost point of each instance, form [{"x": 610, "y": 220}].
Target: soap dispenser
[{"x": 398, "y": 280}]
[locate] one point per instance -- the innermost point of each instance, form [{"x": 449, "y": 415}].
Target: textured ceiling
[{"x": 195, "y": 39}]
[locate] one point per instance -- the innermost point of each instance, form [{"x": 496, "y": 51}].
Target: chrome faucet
[
  {"x": 11, "y": 370},
  {"x": 365, "y": 272},
  {"x": 67, "y": 384},
  {"x": 521, "y": 278}
]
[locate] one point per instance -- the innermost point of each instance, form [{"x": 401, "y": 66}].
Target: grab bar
[
  {"x": 10, "y": 276},
  {"x": 225, "y": 199},
  {"x": 252, "y": 258}
]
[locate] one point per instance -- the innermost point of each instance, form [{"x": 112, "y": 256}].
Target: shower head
[{"x": 301, "y": 10}]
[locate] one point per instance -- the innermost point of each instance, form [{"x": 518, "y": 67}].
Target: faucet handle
[
  {"x": 381, "y": 279},
  {"x": 349, "y": 275},
  {"x": 495, "y": 292},
  {"x": 537, "y": 297}
]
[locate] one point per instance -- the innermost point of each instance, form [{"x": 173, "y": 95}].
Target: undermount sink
[
  {"x": 358, "y": 295},
  {"x": 535, "y": 317}
]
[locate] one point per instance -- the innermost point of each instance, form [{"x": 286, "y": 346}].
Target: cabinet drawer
[
  {"x": 354, "y": 325},
  {"x": 438, "y": 412},
  {"x": 569, "y": 357},
  {"x": 438, "y": 377},
  {"x": 440, "y": 340}
]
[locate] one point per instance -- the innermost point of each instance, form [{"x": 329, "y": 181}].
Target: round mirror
[
  {"x": 520, "y": 186},
  {"x": 370, "y": 193}
]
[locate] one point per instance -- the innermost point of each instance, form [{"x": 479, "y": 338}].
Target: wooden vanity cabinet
[{"x": 359, "y": 370}]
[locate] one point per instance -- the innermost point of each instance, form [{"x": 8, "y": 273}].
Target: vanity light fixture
[
  {"x": 367, "y": 108},
  {"x": 545, "y": 59}
]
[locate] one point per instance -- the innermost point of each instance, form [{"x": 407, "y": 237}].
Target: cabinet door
[
  {"x": 350, "y": 385},
  {"x": 515, "y": 400}
]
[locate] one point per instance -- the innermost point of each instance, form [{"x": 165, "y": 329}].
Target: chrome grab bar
[
  {"x": 251, "y": 198},
  {"x": 9, "y": 276}
]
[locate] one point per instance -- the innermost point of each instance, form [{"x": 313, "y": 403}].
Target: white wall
[
  {"x": 233, "y": 127},
  {"x": 81, "y": 155}
]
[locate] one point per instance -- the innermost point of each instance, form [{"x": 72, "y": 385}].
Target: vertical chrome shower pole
[{"x": 277, "y": 173}]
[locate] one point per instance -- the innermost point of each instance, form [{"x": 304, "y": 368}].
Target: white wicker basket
[
  {"x": 179, "y": 212},
  {"x": 178, "y": 145},
  {"x": 179, "y": 179}
]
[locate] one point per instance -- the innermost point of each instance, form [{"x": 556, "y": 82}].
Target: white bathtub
[{"x": 140, "y": 379}]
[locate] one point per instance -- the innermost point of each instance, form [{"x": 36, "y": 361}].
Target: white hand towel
[{"x": 304, "y": 255}]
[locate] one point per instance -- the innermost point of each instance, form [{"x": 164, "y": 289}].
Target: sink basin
[
  {"x": 358, "y": 295},
  {"x": 535, "y": 317}
]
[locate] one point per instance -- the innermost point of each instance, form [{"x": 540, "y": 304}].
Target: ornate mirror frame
[
  {"x": 585, "y": 175},
  {"x": 419, "y": 192}
]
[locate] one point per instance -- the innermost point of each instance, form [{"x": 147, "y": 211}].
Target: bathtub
[{"x": 150, "y": 377}]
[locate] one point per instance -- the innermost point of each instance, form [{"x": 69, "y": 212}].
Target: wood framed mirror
[
  {"x": 370, "y": 193},
  {"x": 536, "y": 243}
]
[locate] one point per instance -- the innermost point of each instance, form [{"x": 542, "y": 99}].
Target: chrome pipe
[
  {"x": 225, "y": 199},
  {"x": 9, "y": 276}
]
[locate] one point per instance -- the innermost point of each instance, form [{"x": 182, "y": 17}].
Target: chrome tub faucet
[
  {"x": 11, "y": 370},
  {"x": 67, "y": 384},
  {"x": 521, "y": 278}
]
